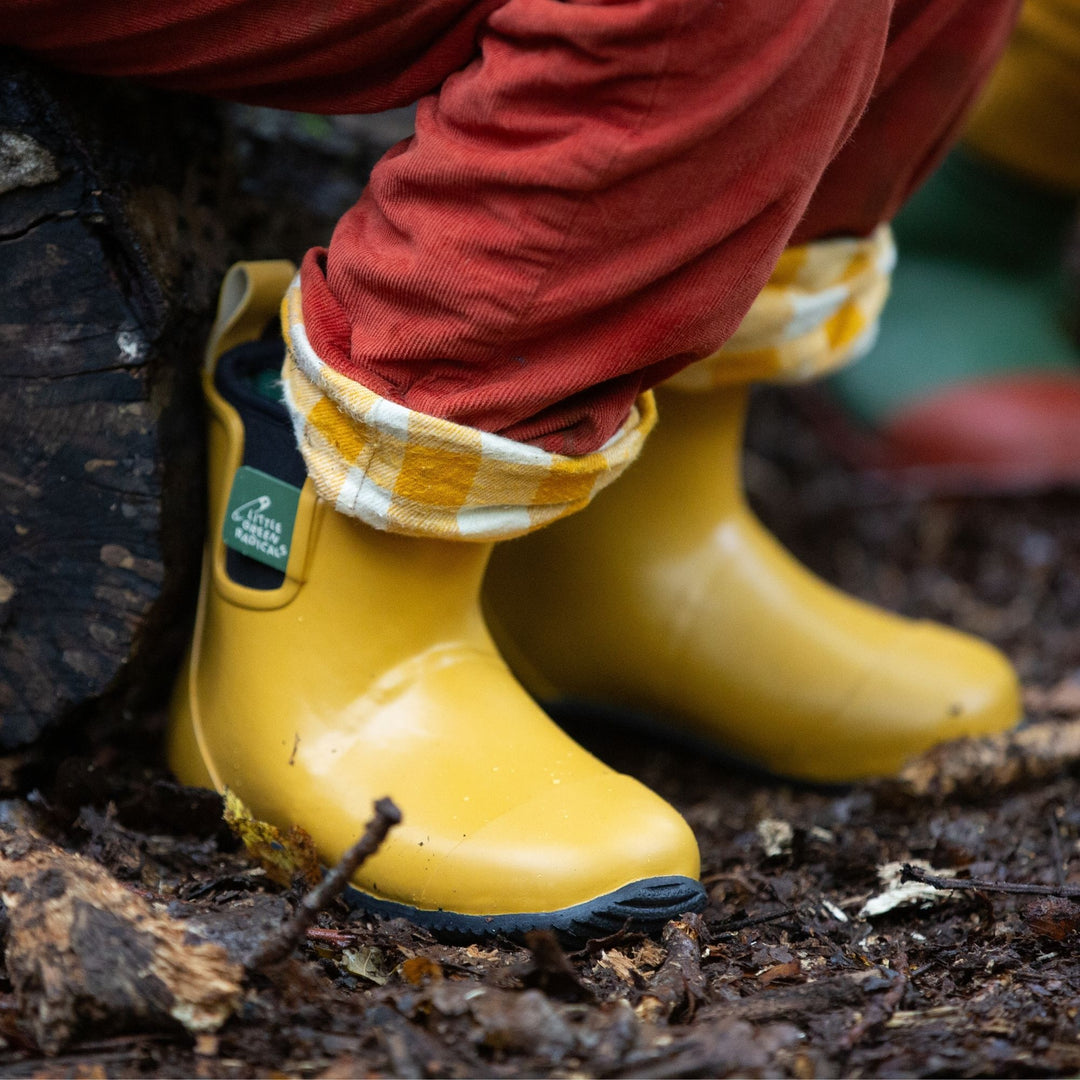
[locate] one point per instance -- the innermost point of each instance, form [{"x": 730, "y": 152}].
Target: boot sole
[{"x": 643, "y": 906}]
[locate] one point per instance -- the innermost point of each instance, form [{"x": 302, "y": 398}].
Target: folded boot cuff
[
  {"x": 406, "y": 472},
  {"x": 818, "y": 312}
]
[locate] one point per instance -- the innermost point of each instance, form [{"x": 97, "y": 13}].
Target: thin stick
[
  {"x": 281, "y": 945},
  {"x": 734, "y": 925},
  {"x": 341, "y": 938},
  {"x": 914, "y": 873}
]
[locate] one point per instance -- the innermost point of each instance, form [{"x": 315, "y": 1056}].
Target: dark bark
[{"x": 109, "y": 255}]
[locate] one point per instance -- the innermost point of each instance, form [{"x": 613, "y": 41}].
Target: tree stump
[{"x": 110, "y": 253}]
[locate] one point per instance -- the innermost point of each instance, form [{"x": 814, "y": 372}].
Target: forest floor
[
  {"x": 808, "y": 961},
  {"x": 790, "y": 972}
]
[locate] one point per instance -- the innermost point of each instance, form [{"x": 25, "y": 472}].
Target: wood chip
[
  {"x": 905, "y": 1018},
  {"x": 620, "y": 964},
  {"x": 900, "y": 893},
  {"x": 776, "y": 837},
  {"x": 84, "y": 952},
  {"x": 979, "y": 767},
  {"x": 1062, "y": 699},
  {"x": 649, "y": 955},
  {"x": 677, "y": 989},
  {"x": 791, "y": 970}
]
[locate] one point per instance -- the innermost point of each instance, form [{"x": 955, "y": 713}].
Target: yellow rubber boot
[
  {"x": 368, "y": 671},
  {"x": 667, "y": 598}
]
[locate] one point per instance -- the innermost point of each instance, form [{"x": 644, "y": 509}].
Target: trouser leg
[{"x": 596, "y": 192}]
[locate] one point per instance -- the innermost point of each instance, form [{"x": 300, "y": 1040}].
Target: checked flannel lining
[
  {"x": 407, "y": 472},
  {"x": 410, "y": 473},
  {"x": 818, "y": 312}
]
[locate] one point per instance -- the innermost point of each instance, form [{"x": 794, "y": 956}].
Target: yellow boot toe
[
  {"x": 626, "y": 838},
  {"x": 929, "y": 685},
  {"x": 962, "y": 688}
]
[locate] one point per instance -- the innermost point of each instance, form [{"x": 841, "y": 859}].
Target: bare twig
[
  {"x": 281, "y": 945},
  {"x": 915, "y": 873},
  {"x": 341, "y": 938},
  {"x": 679, "y": 986},
  {"x": 733, "y": 925}
]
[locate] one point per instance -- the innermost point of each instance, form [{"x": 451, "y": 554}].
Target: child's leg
[{"x": 596, "y": 191}]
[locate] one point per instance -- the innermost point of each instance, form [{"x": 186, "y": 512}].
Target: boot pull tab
[{"x": 249, "y": 290}]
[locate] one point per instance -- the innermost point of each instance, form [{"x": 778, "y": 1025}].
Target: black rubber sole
[{"x": 644, "y": 906}]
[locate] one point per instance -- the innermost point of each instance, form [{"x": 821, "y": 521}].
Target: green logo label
[{"x": 261, "y": 515}]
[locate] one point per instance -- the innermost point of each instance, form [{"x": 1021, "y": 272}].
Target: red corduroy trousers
[{"x": 596, "y": 190}]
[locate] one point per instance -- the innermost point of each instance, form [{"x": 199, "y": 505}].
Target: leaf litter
[{"x": 787, "y": 972}]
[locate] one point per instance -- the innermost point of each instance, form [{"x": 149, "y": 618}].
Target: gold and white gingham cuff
[
  {"x": 407, "y": 472},
  {"x": 818, "y": 312}
]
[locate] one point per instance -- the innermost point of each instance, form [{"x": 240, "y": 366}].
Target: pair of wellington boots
[{"x": 362, "y": 666}]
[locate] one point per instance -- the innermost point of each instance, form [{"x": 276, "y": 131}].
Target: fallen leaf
[
  {"x": 1053, "y": 917},
  {"x": 420, "y": 969},
  {"x": 790, "y": 970},
  {"x": 527, "y": 1023},
  {"x": 284, "y": 856},
  {"x": 550, "y": 970},
  {"x": 367, "y": 962}
]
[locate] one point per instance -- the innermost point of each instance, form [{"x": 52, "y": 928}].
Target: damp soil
[{"x": 787, "y": 973}]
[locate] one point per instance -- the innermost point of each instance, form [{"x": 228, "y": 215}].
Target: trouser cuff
[
  {"x": 818, "y": 312},
  {"x": 406, "y": 472}
]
